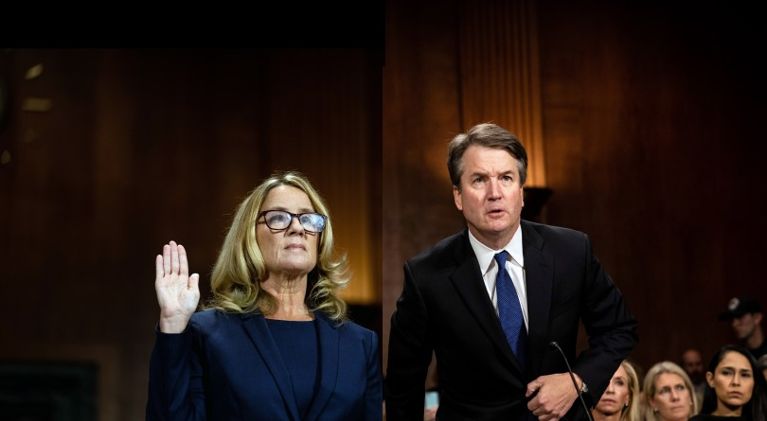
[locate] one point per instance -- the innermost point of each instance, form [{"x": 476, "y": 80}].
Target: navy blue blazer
[{"x": 226, "y": 366}]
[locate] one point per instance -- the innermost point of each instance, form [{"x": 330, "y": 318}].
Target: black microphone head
[{"x": 554, "y": 344}]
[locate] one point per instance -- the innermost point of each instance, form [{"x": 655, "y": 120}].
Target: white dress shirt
[{"x": 515, "y": 266}]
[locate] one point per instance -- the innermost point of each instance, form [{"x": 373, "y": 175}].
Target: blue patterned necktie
[{"x": 509, "y": 310}]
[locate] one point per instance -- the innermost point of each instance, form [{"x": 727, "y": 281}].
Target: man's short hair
[{"x": 488, "y": 135}]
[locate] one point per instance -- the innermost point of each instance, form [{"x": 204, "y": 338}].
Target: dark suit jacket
[
  {"x": 226, "y": 366},
  {"x": 445, "y": 308}
]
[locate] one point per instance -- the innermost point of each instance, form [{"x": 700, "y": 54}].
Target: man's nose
[{"x": 494, "y": 188}]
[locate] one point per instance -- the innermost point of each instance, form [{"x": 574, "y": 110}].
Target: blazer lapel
[
  {"x": 329, "y": 340},
  {"x": 258, "y": 331},
  {"x": 467, "y": 279},
  {"x": 539, "y": 279}
]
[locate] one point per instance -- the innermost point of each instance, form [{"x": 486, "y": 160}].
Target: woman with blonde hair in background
[
  {"x": 620, "y": 401},
  {"x": 668, "y": 393},
  {"x": 274, "y": 342}
]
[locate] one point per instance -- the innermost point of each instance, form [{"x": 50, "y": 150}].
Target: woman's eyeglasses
[{"x": 280, "y": 220}]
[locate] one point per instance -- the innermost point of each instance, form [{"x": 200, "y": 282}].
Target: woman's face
[
  {"x": 733, "y": 380},
  {"x": 617, "y": 394},
  {"x": 672, "y": 399},
  {"x": 292, "y": 251}
]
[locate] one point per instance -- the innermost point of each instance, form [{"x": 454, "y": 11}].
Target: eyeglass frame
[{"x": 292, "y": 217}]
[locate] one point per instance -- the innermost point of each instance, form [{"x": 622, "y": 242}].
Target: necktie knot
[{"x": 501, "y": 259}]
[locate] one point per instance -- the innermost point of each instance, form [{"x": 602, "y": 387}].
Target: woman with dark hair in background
[
  {"x": 274, "y": 342},
  {"x": 736, "y": 389}
]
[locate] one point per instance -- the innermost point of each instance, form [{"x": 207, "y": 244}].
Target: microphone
[{"x": 572, "y": 376}]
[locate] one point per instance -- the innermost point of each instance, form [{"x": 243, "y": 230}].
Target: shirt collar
[{"x": 485, "y": 254}]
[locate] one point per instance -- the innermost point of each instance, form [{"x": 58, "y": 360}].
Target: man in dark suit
[{"x": 490, "y": 300}]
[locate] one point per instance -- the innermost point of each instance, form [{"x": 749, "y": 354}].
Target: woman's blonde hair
[
  {"x": 633, "y": 411},
  {"x": 649, "y": 386},
  {"x": 240, "y": 267}
]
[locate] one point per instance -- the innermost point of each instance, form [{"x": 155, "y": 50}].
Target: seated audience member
[
  {"x": 745, "y": 316},
  {"x": 668, "y": 393},
  {"x": 735, "y": 389},
  {"x": 692, "y": 363},
  {"x": 620, "y": 401},
  {"x": 762, "y": 364}
]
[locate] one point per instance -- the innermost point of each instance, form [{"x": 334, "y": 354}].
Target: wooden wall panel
[
  {"x": 420, "y": 117},
  {"x": 499, "y": 73},
  {"x": 650, "y": 117}
]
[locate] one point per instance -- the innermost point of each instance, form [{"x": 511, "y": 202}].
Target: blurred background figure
[
  {"x": 692, "y": 363},
  {"x": 745, "y": 315},
  {"x": 620, "y": 401},
  {"x": 735, "y": 389},
  {"x": 762, "y": 364},
  {"x": 668, "y": 393}
]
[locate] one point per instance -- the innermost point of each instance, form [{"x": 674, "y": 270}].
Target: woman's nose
[{"x": 295, "y": 225}]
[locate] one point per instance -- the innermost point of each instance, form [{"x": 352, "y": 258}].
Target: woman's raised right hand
[{"x": 177, "y": 293}]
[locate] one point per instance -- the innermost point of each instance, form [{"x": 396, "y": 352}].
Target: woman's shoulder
[
  {"x": 345, "y": 327},
  {"x": 352, "y": 330},
  {"x": 210, "y": 317}
]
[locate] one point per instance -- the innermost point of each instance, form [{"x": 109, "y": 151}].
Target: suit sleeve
[
  {"x": 610, "y": 327},
  {"x": 175, "y": 378},
  {"x": 373, "y": 391},
  {"x": 410, "y": 350}
]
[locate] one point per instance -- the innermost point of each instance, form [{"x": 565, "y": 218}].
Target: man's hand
[{"x": 556, "y": 395}]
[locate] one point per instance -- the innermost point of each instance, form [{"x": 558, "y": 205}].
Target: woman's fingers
[
  {"x": 166, "y": 259},
  {"x": 174, "y": 265},
  {"x": 182, "y": 260},
  {"x": 159, "y": 271},
  {"x": 194, "y": 281}
]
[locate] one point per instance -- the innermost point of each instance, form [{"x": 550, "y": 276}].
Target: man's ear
[
  {"x": 457, "y": 198},
  {"x": 757, "y": 318}
]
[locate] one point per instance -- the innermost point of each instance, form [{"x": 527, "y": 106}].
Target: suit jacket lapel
[
  {"x": 467, "y": 279},
  {"x": 258, "y": 331},
  {"x": 329, "y": 340},
  {"x": 539, "y": 279}
]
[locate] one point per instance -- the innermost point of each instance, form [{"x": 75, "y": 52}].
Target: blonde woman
[
  {"x": 668, "y": 393},
  {"x": 620, "y": 401},
  {"x": 273, "y": 343}
]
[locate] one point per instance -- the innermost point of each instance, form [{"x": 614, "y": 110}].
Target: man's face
[
  {"x": 692, "y": 363},
  {"x": 490, "y": 195},
  {"x": 744, "y": 325}
]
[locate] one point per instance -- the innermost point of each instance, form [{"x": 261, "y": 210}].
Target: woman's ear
[{"x": 710, "y": 379}]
